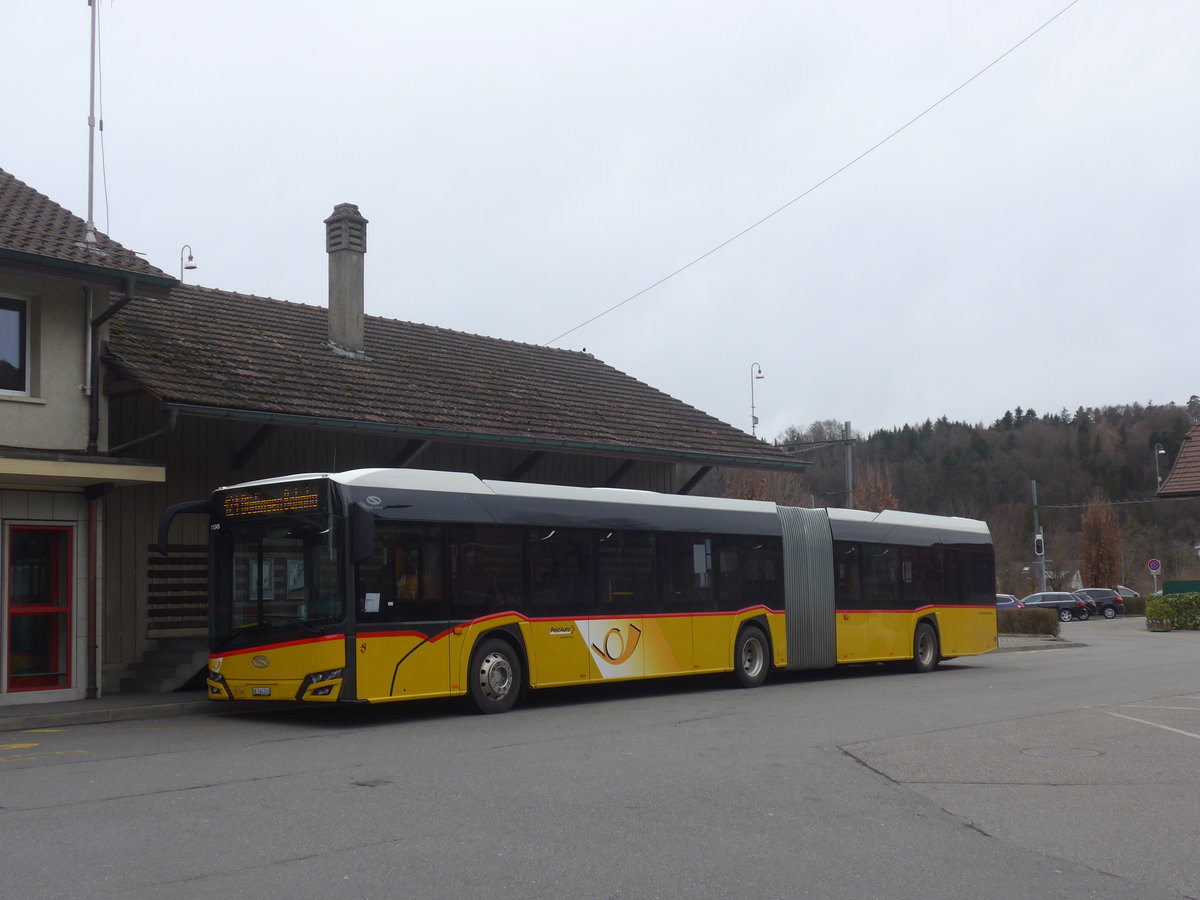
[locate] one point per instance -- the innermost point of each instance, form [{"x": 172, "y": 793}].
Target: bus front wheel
[
  {"x": 495, "y": 676},
  {"x": 750, "y": 657},
  {"x": 926, "y": 651}
]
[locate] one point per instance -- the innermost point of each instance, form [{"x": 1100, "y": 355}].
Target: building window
[{"x": 14, "y": 343}]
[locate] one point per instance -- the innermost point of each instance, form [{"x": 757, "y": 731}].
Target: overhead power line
[
  {"x": 1113, "y": 502},
  {"x": 725, "y": 243}
]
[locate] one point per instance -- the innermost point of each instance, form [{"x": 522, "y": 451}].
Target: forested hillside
[{"x": 985, "y": 472}]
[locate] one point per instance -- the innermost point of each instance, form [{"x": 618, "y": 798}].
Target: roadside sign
[{"x": 1154, "y": 565}]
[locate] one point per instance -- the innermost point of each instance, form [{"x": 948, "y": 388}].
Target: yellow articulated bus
[{"x": 380, "y": 585}]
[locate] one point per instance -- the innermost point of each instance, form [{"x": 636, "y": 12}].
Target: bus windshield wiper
[{"x": 303, "y": 623}]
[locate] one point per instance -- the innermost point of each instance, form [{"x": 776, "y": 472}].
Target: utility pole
[
  {"x": 849, "y": 467},
  {"x": 90, "y": 235},
  {"x": 1039, "y": 544}
]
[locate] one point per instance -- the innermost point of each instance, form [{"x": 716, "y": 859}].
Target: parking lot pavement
[
  {"x": 116, "y": 708},
  {"x": 1112, "y": 787},
  {"x": 127, "y": 707}
]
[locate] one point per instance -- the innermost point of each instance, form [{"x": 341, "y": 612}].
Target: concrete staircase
[{"x": 169, "y": 664}]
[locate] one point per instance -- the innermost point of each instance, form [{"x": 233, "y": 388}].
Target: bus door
[
  {"x": 853, "y": 623},
  {"x": 928, "y": 583},
  {"x": 561, "y": 597},
  {"x": 402, "y": 622},
  {"x": 677, "y": 641},
  {"x": 624, "y": 562},
  {"x": 976, "y": 578},
  {"x": 954, "y": 628}
]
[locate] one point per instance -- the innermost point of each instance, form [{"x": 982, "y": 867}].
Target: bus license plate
[{"x": 260, "y": 691}]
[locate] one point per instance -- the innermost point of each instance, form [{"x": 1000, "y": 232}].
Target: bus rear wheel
[
  {"x": 926, "y": 652},
  {"x": 750, "y": 657},
  {"x": 495, "y": 676}
]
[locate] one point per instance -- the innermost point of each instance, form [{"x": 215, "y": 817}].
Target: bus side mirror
[
  {"x": 362, "y": 532},
  {"x": 168, "y": 516}
]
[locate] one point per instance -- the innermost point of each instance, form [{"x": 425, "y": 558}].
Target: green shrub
[
  {"x": 1174, "y": 611},
  {"x": 1158, "y": 614},
  {"x": 1027, "y": 621}
]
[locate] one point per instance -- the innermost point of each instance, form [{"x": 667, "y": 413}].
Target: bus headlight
[
  {"x": 308, "y": 688},
  {"x": 217, "y": 687}
]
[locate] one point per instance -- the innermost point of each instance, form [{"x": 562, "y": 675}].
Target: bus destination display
[{"x": 272, "y": 501}]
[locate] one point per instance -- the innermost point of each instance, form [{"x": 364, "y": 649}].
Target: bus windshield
[{"x": 280, "y": 582}]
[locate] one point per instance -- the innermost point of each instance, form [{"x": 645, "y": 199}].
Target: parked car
[
  {"x": 1068, "y": 605},
  {"x": 1107, "y": 600},
  {"x": 1126, "y": 592},
  {"x": 1008, "y": 601},
  {"x": 1092, "y": 605}
]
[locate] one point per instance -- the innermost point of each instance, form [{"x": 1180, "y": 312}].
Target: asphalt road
[{"x": 1061, "y": 773}]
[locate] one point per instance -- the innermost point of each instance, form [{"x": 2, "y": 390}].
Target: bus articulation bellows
[{"x": 380, "y": 585}]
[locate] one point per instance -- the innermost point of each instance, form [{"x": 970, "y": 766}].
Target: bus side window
[
  {"x": 624, "y": 563},
  {"x": 952, "y": 577},
  {"x": 881, "y": 567},
  {"x": 978, "y": 575},
  {"x": 749, "y": 572},
  {"x": 685, "y": 573},
  {"x": 486, "y": 569},
  {"x": 402, "y": 580},
  {"x": 921, "y": 577},
  {"x": 847, "y": 574},
  {"x": 560, "y": 571}
]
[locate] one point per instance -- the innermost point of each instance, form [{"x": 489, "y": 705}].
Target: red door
[{"x": 39, "y": 606}]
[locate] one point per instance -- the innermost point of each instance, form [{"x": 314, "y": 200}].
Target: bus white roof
[{"x": 466, "y": 483}]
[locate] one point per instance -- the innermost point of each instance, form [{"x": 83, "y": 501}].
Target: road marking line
[
  {"x": 26, "y": 757},
  {"x": 1156, "y": 725},
  {"x": 1158, "y": 706}
]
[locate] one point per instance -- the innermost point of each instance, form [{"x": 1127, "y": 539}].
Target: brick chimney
[{"x": 346, "y": 244}]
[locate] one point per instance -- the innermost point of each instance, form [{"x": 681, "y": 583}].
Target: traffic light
[{"x": 1039, "y": 546}]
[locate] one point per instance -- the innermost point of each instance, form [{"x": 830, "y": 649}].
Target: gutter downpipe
[
  {"x": 172, "y": 418},
  {"x": 93, "y": 602},
  {"x": 94, "y": 374},
  {"x": 94, "y": 493}
]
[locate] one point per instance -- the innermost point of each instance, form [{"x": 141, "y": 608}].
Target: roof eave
[
  {"x": 120, "y": 276},
  {"x": 654, "y": 454}
]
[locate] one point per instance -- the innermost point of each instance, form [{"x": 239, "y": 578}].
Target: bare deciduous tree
[
  {"x": 1100, "y": 550},
  {"x": 874, "y": 491}
]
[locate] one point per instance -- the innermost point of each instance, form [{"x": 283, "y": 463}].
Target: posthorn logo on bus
[
  {"x": 260, "y": 662},
  {"x": 616, "y": 648}
]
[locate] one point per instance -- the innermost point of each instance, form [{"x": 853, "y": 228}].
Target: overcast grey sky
[{"x": 1033, "y": 241}]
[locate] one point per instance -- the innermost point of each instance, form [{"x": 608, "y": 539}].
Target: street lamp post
[
  {"x": 754, "y": 376},
  {"x": 190, "y": 263},
  {"x": 1158, "y": 451}
]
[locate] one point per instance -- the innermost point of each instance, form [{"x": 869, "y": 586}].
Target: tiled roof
[
  {"x": 1184, "y": 480},
  {"x": 32, "y": 223},
  {"x": 209, "y": 348}
]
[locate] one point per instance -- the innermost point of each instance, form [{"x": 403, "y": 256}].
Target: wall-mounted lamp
[
  {"x": 190, "y": 263},
  {"x": 1158, "y": 451}
]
